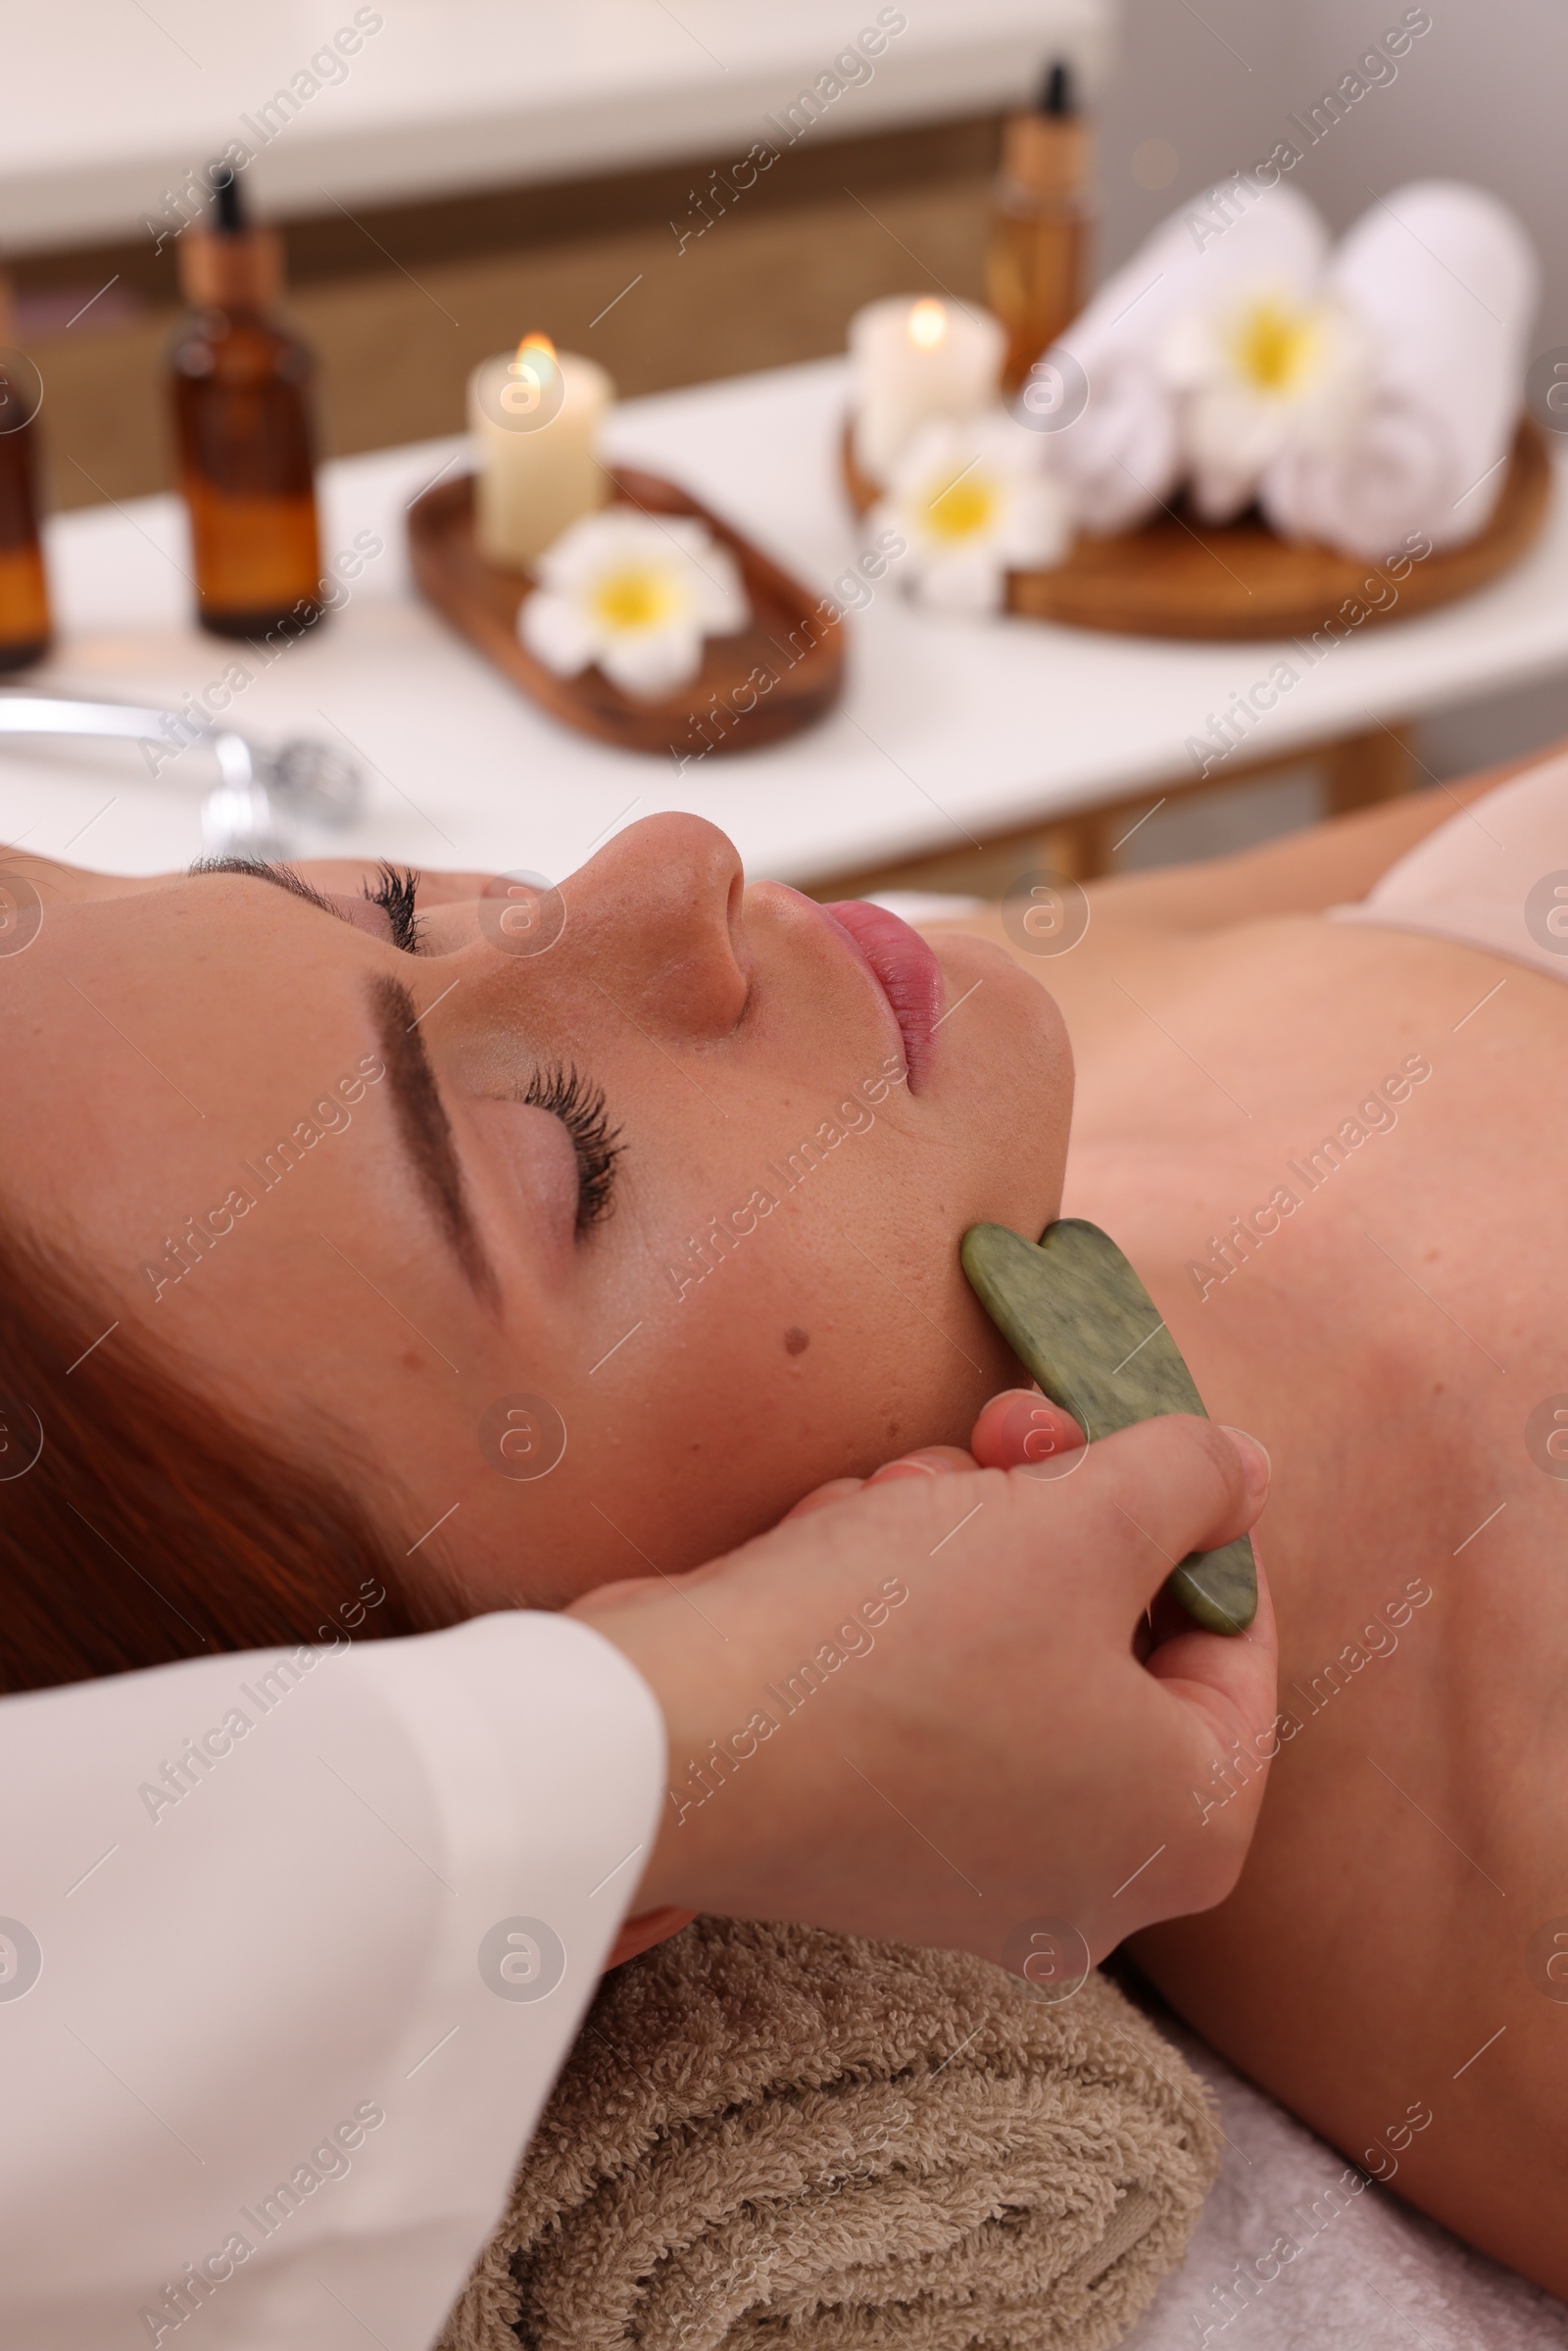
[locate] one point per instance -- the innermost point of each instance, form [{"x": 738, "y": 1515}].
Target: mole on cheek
[{"x": 796, "y": 1341}]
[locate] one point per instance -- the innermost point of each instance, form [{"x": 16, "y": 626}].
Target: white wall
[{"x": 1483, "y": 96}]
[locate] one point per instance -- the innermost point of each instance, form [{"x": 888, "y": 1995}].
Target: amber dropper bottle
[
  {"x": 241, "y": 385},
  {"x": 25, "y": 621},
  {"x": 1040, "y": 219}
]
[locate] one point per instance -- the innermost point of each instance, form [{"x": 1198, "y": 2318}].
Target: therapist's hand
[
  {"x": 1018, "y": 1429},
  {"x": 978, "y": 1751}
]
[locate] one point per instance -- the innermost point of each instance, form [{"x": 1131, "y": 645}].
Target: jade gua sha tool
[{"x": 1081, "y": 1322}]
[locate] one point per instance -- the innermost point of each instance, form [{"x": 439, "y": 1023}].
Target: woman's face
[{"x": 430, "y": 1282}]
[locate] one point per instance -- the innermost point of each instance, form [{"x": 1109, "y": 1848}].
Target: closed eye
[
  {"x": 579, "y": 1105},
  {"x": 564, "y": 1092},
  {"x": 394, "y": 894}
]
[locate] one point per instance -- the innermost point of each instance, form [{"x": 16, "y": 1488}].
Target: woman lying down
[{"x": 388, "y": 1213}]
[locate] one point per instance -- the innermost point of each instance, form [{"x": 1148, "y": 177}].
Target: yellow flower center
[
  {"x": 1273, "y": 347},
  {"x": 637, "y": 596},
  {"x": 961, "y": 508}
]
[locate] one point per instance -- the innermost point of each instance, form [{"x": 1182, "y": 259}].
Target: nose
[{"x": 656, "y": 920}]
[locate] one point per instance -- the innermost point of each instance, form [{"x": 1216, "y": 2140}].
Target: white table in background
[{"x": 949, "y": 730}]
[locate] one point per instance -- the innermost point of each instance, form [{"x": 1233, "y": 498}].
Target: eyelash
[
  {"x": 577, "y": 1104},
  {"x": 394, "y": 894},
  {"x": 580, "y": 1107}
]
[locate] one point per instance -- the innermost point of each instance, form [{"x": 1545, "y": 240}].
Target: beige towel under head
[{"x": 770, "y": 2134}]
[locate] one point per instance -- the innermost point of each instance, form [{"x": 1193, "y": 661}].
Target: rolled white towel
[
  {"x": 1120, "y": 458},
  {"x": 1446, "y": 279},
  {"x": 1261, "y": 367}
]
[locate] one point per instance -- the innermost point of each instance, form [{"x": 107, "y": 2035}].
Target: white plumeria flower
[
  {"x": 635, "y": 593},
  {"x": 1267, "y": 365},
  {"x": 971, "y": 503}
]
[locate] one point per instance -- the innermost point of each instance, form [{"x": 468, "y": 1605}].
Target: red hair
[{"x": 138, "y": 1525}]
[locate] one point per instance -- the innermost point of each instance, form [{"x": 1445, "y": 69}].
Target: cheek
[
  {"x": 833, "y": 1336},
  {"x": 735, "y": 1428}
]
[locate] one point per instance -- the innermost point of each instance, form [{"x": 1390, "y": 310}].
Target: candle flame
[
  {"x": 928, "y": 325},
  {"x": 536, "y": 343}
]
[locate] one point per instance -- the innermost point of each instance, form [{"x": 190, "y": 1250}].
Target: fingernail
[{"x": 1256, "y": 1467}]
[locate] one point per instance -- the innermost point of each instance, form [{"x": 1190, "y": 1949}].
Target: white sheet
[{"x": 1374, "y": 2276}]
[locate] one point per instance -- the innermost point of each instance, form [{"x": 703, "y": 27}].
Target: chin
[
  {"x": 1016, "y": 1001},
  {"x": 1012, "y": 1068}
]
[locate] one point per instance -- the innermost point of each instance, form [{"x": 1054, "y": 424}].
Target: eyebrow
[
  {"x": 426, "y": 1132},
  {"x": 282, "y": 876},
  {"x": 423, "y": 1127}
]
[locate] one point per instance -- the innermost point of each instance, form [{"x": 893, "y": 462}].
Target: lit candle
[
  {"x": 916, "y": 362},
  {"x": 535, "y": 414}
]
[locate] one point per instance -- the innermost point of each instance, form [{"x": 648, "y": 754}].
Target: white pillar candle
[
  {"x": 916, "y": 361},
  {"x": 535, "y": 414}
]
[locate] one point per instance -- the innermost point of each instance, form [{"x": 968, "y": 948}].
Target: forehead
[
  {"x": 148, "y": 1032},
  {"x": 148, "y": 946}
]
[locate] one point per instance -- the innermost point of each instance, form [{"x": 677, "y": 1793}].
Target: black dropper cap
[
  {"x": 1057, "y": 96},
  {"x": 226, "y": 264},
  {"x": 229, "y": 214}
]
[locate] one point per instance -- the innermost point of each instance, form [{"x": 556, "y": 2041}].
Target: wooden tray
[
  {"x": 788, "y": 636},
  {"x": 1179, "y": 577}
]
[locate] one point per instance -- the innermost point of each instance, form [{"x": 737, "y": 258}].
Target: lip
[{"x": 905, "y": 969}]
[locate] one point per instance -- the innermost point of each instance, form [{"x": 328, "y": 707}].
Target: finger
[
  {"x": 1232, "y": 1683},
  {"x": 640, "y": 1934},
  {"x": 930, "y": 1461},
  {"x": 1174, "y": 1484},
  {"x": 821, "y": 1497},
  {"x": 1021, "y": 1425},
  {"x": 1228, "y": 1671},
  {"x": 607, "y": 1594}
]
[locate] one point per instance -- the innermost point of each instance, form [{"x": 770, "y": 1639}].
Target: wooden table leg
[
  {"x": 1362, "y": 769},
  {"x": 1080, "y": 846},
  {"x": 1357, "y": 771}
]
